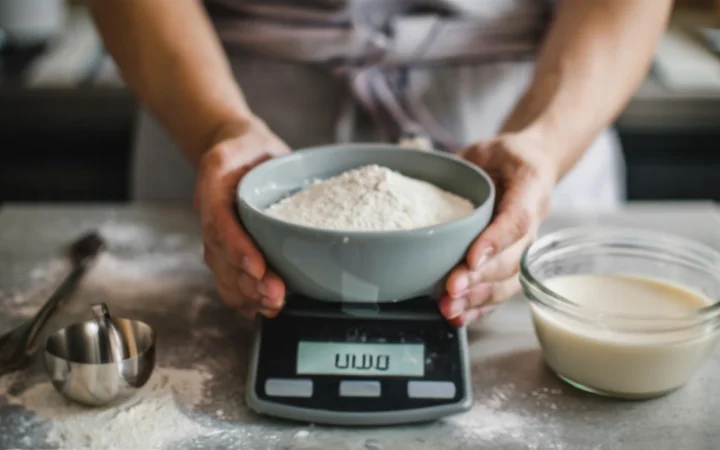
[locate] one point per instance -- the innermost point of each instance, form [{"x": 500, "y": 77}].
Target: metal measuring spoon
[{"x": 19, "y": 345}]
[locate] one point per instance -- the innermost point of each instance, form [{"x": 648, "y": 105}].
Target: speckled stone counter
[{"x": 154, "y": 272}]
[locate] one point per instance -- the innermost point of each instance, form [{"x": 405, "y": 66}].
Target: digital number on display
[{"x": 335, "y": 358}]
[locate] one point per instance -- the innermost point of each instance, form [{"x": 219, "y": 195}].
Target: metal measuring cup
[{"x": 100, "y": 361}]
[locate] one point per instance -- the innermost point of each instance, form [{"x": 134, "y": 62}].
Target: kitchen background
[{"x": 66, "y": 119}]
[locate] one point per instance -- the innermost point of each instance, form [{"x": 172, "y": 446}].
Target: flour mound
[
  {"x": 371, "y": 198},
  {"x": 159, "y": 416}
]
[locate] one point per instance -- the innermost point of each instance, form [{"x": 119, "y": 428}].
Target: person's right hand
[{"x": 242, "y": 277}]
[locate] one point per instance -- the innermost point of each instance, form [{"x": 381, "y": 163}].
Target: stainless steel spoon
[{"x": 19, "y": 345}]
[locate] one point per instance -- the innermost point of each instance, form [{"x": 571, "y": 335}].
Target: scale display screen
[{"x": 360, "y": 359}]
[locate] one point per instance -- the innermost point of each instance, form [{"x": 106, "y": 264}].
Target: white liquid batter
[{"x": 622, "y": 362}]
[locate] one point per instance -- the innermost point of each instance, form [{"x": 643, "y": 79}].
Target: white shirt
[{"x": 454, "y": 69}]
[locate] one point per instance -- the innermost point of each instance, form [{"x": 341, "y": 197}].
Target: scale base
[{"x": 276, "y": 389}]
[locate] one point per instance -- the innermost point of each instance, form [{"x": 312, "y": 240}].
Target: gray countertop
[{"x": 154, "y": 272}]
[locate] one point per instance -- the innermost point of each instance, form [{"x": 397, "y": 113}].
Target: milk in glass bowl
[{"x": 623, "y": 312}]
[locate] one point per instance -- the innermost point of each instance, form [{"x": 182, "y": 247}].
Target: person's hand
[
  {"x": 242, "y": 277},
  {"x": 524, "y": 177}
]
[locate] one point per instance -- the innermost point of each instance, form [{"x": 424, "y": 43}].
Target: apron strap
[{"x": 375, "y": 58}]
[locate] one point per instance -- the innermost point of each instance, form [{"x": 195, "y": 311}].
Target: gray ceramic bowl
[{"x": 362, "y": 267}]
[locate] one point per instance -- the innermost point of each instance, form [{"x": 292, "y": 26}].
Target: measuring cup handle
[{"x": 104, "y": 321}]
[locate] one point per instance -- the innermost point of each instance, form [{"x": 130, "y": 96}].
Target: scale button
[
  {"x": 360, "y": 388},
  {"x": 431, "y": 389},
  {"x": 288, "y": 387}
]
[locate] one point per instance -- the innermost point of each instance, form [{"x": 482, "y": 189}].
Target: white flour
[
  {"x": 154, "y": 418},
  {"x": 371, "y": 198},
  {"x": 154, "y": 276},
  {"x": 127, "y": 281},
  {"x": 39, "y": 279},
  {"x": 142, "y": 262},
  {"x": 490, "y": 418},
  {"x": 485, "y": 423}
]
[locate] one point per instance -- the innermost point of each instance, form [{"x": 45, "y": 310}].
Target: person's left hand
[{"x": 524, "y": 177}]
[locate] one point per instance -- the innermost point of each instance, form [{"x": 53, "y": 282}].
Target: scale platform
[{"x": 343, "y": 364}]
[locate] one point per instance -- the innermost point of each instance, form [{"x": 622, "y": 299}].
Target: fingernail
[
  {"x": 248, "y": 267},
  {"x": 461, "y": 284},
  {"x": 270, "y": 303},
  {"x": 247, "y": 264},
  {"x": 269, "y": 313},
  {"x": 485, "y": 254},
  {"x": 457, "y": 307}
]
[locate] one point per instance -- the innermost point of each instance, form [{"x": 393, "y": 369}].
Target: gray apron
[{"x": 325, "y": 71}]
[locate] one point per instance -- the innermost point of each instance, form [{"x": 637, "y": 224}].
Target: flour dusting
[
  {"x": 148, "y": 276},
  {"x": 371, "y": 198},
  {"x": 141, "y": 264},
  {"x": 154, "y": 418},
  {"x": 484, "y": 422},
  {"x": 490, "y": 418},
  {"x": 129, "y": 282},
  {"x": 40, "y": 279}
]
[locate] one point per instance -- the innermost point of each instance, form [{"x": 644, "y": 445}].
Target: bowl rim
[
  {"x": 448, "y": 226},
  {"x": 150, "y": 347},
  {"x": 564, "y": 305}
]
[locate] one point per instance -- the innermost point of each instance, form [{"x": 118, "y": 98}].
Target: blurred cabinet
[
  {"x": 65, "y": 145},
  {"x": 672, "y": 164}
]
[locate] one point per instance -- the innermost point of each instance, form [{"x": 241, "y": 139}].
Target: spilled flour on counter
[
  {"x": 39, "y": 280},
  {"x": 371, "y": 198},
  {"x": 485, "y": 423},
  {"x": 154, "y": 418},
  {"x": 141, "y": 264},
  {"x": 146, "y": 276},
  {"x": 128, "y": 281},
  {"x": 489, "y": 419}
]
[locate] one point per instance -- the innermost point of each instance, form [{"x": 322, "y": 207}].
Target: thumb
[{"x": 514, "y": 219}]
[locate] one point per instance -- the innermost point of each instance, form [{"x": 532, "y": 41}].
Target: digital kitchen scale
[{"x": 341, "y": 364}]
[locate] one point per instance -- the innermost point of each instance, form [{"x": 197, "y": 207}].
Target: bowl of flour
[{"x": 365, "y": 223}]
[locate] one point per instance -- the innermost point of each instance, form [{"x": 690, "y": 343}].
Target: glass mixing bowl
[{"x": 622, "y": 355}]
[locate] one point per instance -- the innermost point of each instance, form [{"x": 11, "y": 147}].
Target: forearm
[
  {"x": 170, "y": 57},
  {"x": 596, "y": 54}
]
